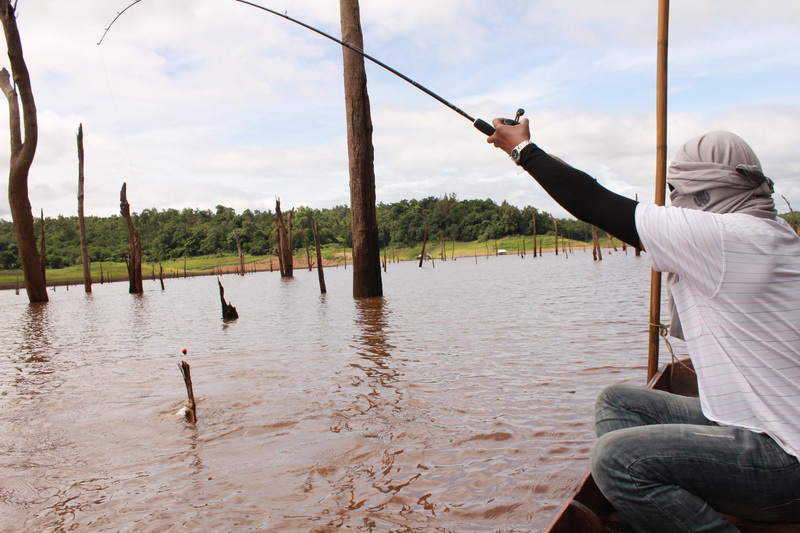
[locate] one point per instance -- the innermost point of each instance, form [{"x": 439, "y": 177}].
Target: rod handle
[
  {"x": 487, "y": 129},
  {"x": 484, "y": 127}
]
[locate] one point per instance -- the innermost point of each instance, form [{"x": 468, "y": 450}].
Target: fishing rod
[{"x": 483, "y": 126}]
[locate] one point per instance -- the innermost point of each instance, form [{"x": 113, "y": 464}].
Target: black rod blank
[{"x": 482, "y": 125}]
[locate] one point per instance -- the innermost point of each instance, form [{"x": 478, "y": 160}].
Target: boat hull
[{"x": 588, "y": 511}]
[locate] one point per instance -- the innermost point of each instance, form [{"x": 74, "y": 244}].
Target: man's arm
[{"x": 574, "y": 190}]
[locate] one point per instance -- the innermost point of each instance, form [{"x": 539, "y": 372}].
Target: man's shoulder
[
  {"x": 675, "y": 216},
  {"x": 740, "y": 221}
]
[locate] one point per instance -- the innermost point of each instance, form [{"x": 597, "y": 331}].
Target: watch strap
[{"x": 516, "y": 153}]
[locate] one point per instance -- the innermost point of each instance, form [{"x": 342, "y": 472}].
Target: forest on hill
[{"x": 171, "y": 234}]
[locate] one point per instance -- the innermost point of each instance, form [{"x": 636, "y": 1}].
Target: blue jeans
[{"x": 665, "y": 467}]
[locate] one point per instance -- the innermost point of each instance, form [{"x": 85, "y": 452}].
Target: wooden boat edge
[{"x": 588, "y": 511}]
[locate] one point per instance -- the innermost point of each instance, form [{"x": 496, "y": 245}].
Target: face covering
[{"x": 717, "y": 172}]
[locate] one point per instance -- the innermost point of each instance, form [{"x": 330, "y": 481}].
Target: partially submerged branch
[{"x": 190, "y": 410}]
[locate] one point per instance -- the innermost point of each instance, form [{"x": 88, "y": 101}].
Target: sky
[{"x": 199, "y": 103}]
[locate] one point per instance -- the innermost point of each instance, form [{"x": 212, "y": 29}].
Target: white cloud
[{"x": 197, "y": 103}]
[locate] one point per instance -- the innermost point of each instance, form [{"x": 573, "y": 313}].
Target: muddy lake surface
[{"x": 461, "y": 401}]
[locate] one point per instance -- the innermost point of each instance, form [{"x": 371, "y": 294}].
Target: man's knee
[
  {"x": 614, "y": 395},
  {"x": 604, "y": 460},
  {"x": 612, "y": 408},
  {"x": 614, "y": 454}
]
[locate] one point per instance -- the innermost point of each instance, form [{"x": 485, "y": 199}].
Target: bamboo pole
[
  {"x": 638, "y": 250},
  {"x": 661, "y": 176}
]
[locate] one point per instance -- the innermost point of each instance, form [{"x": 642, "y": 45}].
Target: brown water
[{"x": 460, "y": 402}]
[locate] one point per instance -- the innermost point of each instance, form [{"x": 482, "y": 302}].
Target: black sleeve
[{"x": 581, "y": 195}]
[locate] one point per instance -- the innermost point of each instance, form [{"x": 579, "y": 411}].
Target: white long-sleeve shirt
[{"x": 738, "y": 299}]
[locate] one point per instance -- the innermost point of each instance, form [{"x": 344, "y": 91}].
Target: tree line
[{"x": 171, "y": 233}]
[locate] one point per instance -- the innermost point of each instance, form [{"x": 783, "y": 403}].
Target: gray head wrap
[{"x": 720, "y": 173}]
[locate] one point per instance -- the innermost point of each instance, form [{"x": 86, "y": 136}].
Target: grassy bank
[{"x": 332, "y": 255}]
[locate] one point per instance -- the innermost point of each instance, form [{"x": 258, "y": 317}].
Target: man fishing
[{"x": 671, "y": 463}]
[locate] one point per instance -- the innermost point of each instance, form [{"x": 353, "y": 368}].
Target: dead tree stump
[
  {"x": 228, "y": 310},
  {"x": 361, "y": 154},
  {"x": 134, "y": 258},
  {"x": 239, "y": 252},
  {"x": 191, "y": 406},
  {"x": 87, "y": 270},
  {"x": 320, "y": 272},
  {"x": 19, "y": 94},
  {"x": 424, "y": 242}
]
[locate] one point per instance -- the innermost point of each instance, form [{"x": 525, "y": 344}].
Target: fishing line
[
  {"x": 119, "y": 123},
  {"x": 483, "y": 126}
]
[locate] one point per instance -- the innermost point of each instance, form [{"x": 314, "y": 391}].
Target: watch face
[{"x": 515, "y": 154}]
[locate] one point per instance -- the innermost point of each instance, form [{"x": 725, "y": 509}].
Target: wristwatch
[{"x": 516, "y": 153}]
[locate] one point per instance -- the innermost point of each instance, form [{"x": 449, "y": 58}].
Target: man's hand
[{"x": 508, "y": 137}]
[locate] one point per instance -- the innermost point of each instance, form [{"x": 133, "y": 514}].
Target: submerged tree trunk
[
  {"x": 42, "y": 246},
  {"x": 239, "y": 251},
  {"x": 366, "y": 246},
  {"x": 228, "y": 310},
  {"x": 555, "y": 224},
  {"x": 424, "y": 243},
  {"x": 279, "y": 251},
  {"x": 191, "y": 406},
  {"x": 611, "y": 242},
  {"x": 87, "y": 271},
  {"x": 134, "y": 259},
  {"x": 21, "y": 155},
  {"x": 793, "y": 221},
  {"x": 308, "y": 251},
  {"x": 284, "y": 241},
  {"x": 597, "y": 252},
  {"x": 320, "y": 272}
]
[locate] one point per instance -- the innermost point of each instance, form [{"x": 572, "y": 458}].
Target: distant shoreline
[{"x": 262, "y": 265}]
